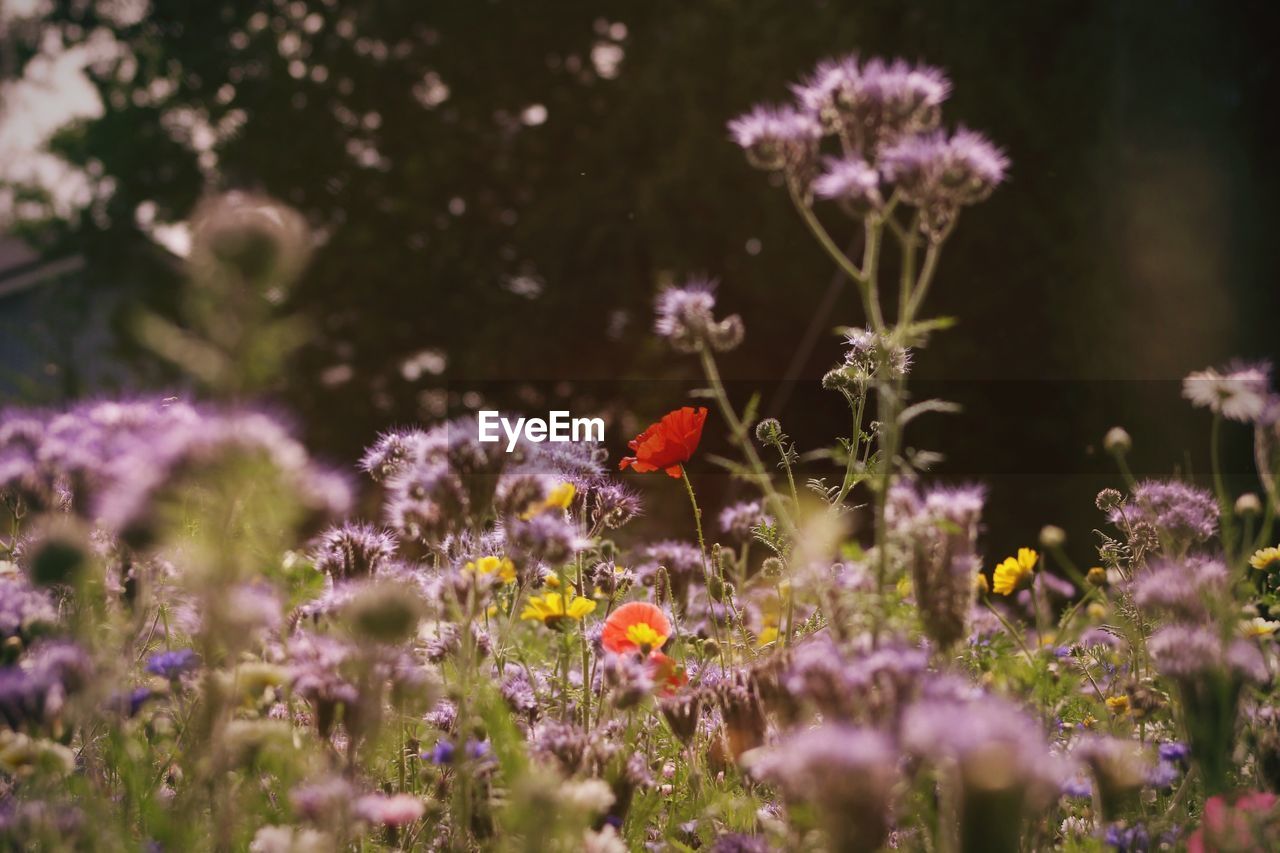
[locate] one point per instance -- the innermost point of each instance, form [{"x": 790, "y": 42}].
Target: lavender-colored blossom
[
  {"x": 323, "y": 801},
  {"x": 613, "y": 504},
  {"x": 1191, "y": 651},
  {"x": 547, "y": 537},
  {"x": 1183, "y": 589},
  {"x": 1174, "y": 752},
  {"x": 353, "y": 550},
  {"x": 1179, "y": 513},
  {"x": 681, "y": 562},
  {"x": 780, "y": 138},
  {"x": 823, "y": 91},
  {"x": 172, "y": 664},
  {"x": 392, "y": 452},
  {"x": 25, "y": 611},
  {"x": 147, "y": 473},
  {"x": 684, "y": 316},
  {"x": 519, "y": 694},
  {"x": 737, "y": 520},
  {"x": 318, "y": 667},
  {"x": 851, "y": 181},
  {"x": 1005, "y": 768},
  {"x": 34, "y": 693},
  {"x": 939, "y": 531},
  {"x": 846, "y": 773},
  {"x": 939, "y": 174},
  {"x": 1240, "y": 391},
  {"x": 1128, "y": 839}
]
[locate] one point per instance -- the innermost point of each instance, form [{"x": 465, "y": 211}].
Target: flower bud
[
  {"x": 1117, "y": 440},
  {"x": 772, "y": 567},
  {"x": 1052, "y": 536},
  {"x": 769, "y": 431},
  {"x": 1097, "y": 576},
  {"x": 1248, "y": 504},
  {"x": 1109, "y": 499}
]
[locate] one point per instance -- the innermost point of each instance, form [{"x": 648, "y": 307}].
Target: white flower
[
  {"x": 1239, "y": 392},
  {"x": 592, "y": 796}
]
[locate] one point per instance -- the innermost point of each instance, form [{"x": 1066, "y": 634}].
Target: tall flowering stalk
[{"x": 896, "y": 172}]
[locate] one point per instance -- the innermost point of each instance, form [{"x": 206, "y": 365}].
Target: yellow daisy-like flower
[
  {"x": 981, "y": 584},
  {"x": 767, "y": 635},
  {"x": 560, "y": 498},
  {"x": 1118, "y": 705},
  {"x": 1266, "y": 559},
  {"x": 1259, "y": 627},
  {"x": 552, "y": 608},
  {"x": 501, "y": 566},
  {"x": 1011, "y": 574}
]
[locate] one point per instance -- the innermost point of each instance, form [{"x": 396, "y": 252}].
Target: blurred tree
[{"x": 500, "y": 188}]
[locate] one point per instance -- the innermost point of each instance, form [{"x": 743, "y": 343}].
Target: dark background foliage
[{"x": 1132, "y": 244}]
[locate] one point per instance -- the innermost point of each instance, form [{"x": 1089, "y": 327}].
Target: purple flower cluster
[
  {"x": 938, "y": 530},
  {"x": 1180, "y": 514},
  {"x": 25, "y": 612},
  {"x": 886, "y": 116},
  {"x": 684, "y": 316},
  {"x": 34, "y": 692}
]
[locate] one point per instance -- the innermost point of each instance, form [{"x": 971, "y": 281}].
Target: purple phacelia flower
[
  {"x": 851, "y": 181},
  {"x": 1181, "y": 514},
  {"x": 939, "y": 174},
  {"x": 737, "y": 520},
  {"x": 172, "y": 664},
  {"x": 780, "y": 138},
  {"x": 353, "y": 550},
  {"x": 684, "y": 316}
]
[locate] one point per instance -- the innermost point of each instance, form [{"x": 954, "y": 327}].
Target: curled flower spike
[
  {"x": 552, "y": 608},
  {"x": 636, "y": 627},
  {"x": 668, "y": 444},
  {"x": 1012, "y": 573}
]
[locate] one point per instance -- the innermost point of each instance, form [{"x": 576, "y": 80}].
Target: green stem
[
  {"x": 738, "y": 433},
  {"x": 870, "y": 300},
  {"x": 702, "y": 551},
  {"x": 1017, "y": 637},
  {"x": 1220, "y": 487}
]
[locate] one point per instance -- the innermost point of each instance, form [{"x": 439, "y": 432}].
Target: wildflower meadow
[{"x": 213, "y": 639}]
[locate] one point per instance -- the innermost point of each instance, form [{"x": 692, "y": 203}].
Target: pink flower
[
  {"x": 395, "y": 810},
  {"x": 1231, "y": 827}
]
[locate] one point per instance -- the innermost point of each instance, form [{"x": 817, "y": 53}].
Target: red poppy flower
[
  {"x": 667, "y": 674},
  {"x": 637, "y": 626},
  {"x": 669, "y": 443}
]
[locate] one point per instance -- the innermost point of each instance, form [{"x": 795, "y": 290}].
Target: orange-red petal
[{"x": 614, "y": 637}]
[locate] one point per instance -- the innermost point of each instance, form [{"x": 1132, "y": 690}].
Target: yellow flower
[
  {"x": 503, "y": 567},
  {"x": 767, "y": 636},
  {"x": 980, "y": 584},
  {"x": 1118, "y": 705},
  {"x": 1089, "y": 721},
  {"x": 552, "y": 608},
  {"x": 1097, "y": 576},
  {"x": 1010, "y": 574},
  {"x": 645, "y": 636},
  {"x": 1266, "y": 559},
  {"x": 1258, "y": 627},
  {"x": 560, "y": 498}
]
